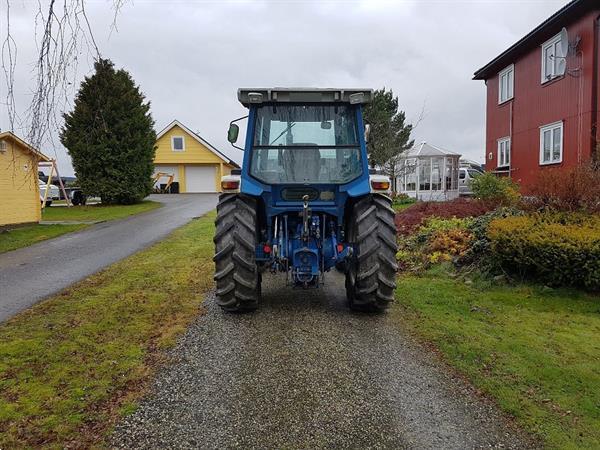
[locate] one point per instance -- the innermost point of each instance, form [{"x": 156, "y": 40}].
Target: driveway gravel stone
[{"x": 305, "y": 372}]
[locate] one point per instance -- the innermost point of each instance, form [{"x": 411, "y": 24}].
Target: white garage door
[{"x": 200, "y": 178}]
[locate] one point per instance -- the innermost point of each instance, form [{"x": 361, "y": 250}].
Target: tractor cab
[{"x": 305, "y": 177}]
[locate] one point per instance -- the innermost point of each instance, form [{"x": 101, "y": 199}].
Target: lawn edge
[
  {"x": 96, "y": 434},
  {"x": 85, "y": 226},
  {"x": 412, "y": 331}
]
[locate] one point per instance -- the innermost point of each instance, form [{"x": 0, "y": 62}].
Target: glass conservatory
[{"x": 428, "y": 173}]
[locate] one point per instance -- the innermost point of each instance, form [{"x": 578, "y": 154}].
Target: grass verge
[
  {"x": 72, "y": 365},
  {"x": 28, "y": 235},
  {"x": 533, "y": 349},
  {"x": 96, "y": 212},
  {"x": 400, "y": 204}
]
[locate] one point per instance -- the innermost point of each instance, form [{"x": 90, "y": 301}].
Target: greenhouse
[{"x": 428, "y": 173}]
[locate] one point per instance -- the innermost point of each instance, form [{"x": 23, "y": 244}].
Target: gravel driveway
[
  {"x": 28, "y": 275},
  {"x": 304, "y": 372}
]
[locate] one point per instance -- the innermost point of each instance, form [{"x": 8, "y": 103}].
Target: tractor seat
[{"x": 303, "y": 164}]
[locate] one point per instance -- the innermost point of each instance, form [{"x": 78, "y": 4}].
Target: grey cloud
[{"x": 189, "y": 57}]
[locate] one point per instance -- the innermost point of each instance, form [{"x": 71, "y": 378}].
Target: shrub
[
  {"x": 436, "y": 225},
  {"x": 540, "y": 246},
  {"x": 478, "y": 227},
  {"x": 499, "y": 190},
  {"x": 568, "y": 189},
  {"x": 401, "y": 201},
  {"x": 445, "y": 245},
  {"x": 409, "y": 220},
  {"x": 436, "y": 241}
]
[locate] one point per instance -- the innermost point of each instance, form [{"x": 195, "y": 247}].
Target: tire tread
[
  {"x": 236, "y": 274},
  {"x": 374, "y": 267}
]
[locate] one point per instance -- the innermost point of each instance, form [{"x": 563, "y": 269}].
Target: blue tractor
[{"x": 304, "y": 201}]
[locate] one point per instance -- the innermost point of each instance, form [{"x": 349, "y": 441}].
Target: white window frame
[
  {"x": 503, "y": 143},
  {"x": 509, "y": 73},
  {"x": 182, "y": 143},
  {"x": 554, "y": 43},
  {"x": 551, "y": 127}
]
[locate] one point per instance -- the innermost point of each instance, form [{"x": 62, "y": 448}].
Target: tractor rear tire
[
  {"x": 371, "y": 275},
  {"x": 236, "y": 273}
]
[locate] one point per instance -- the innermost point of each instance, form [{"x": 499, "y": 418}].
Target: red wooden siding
[{"x": 569, "y": 99}]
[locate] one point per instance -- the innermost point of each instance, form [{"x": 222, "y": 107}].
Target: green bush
[
  {"x": 479, "y": 251},
  {"x": 550, "y": 248},
  {"x": 435, "y": 225},
  {"x": 437, "y": 240},
  {"x": 401, "y": 201},
  {"x": 500, "y": 190}
]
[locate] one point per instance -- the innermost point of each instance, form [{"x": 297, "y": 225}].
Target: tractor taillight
[
  {"x": 380, "y": 185},
  {"x": 229, "y": 185},
  {"x": 267, "y": 249}
]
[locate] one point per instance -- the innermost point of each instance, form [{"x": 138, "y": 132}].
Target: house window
[
  {"x": 506, "y": 80},
  {"x": 177, "y": 144},
  {"x": 504, "y": 152},
  {"x": 553, "y": 61},
  {"x": 551, "y": 143}
]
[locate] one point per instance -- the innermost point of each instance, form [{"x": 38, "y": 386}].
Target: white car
[
  {"x": 465, "y": 176},
  {"x": 53, "y": 192}
]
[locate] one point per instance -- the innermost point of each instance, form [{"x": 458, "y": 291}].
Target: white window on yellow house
[{"x": 177, "y": 143}]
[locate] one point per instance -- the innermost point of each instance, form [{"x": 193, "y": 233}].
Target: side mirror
[
  {"x": 367, "y": 132},
  {"x": 232, "y": 133}
]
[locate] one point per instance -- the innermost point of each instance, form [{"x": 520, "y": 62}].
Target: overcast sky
[{"x": 189, "y": 57}]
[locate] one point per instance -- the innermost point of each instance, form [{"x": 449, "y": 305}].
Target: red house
[{"x": 542, "y": 96}]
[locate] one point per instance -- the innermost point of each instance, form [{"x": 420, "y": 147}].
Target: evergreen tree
[
  {"x": 390, "y": 135},
  {"x": 110, "y": 137}
]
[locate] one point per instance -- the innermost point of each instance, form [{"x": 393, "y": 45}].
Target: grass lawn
[
  {"x": 96, "y": 212},
  {"x": 71, "y": 365},
  {"x": 28, "y": 235},
  {"x": 24, "y": 236},
  {"x": 400, "y": 204},
  {"x": 398, "y": 207},
  {"x": 535, "y": 350}
]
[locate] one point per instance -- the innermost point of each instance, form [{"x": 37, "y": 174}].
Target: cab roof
[{"x": 253, "y": 96}]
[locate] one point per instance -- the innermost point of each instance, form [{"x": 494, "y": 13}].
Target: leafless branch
[
  {"x": 62, "y": 32},
  {"x": 66, "y": 32},
  {"x": 420, "y": 117},
  {"x": 9, "y": 62},
  {"x": 117, "y": 6}
]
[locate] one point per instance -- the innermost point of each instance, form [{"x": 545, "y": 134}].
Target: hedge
[{"x": 548, "y": 249}]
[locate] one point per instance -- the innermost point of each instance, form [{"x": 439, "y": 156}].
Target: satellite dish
[{"x": 564, "y": 43}]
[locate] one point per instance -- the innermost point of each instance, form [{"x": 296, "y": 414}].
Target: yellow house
[
  {"x": 19, "y": 188},
  {"x": 197, "y": 166}
]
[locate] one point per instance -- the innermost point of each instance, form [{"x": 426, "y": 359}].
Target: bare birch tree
[{"x": 62, "y": 33}]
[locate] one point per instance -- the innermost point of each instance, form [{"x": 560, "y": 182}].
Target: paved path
[
  {"x": 29, "y": 274},
  {"x": 304, "y": 372}
]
